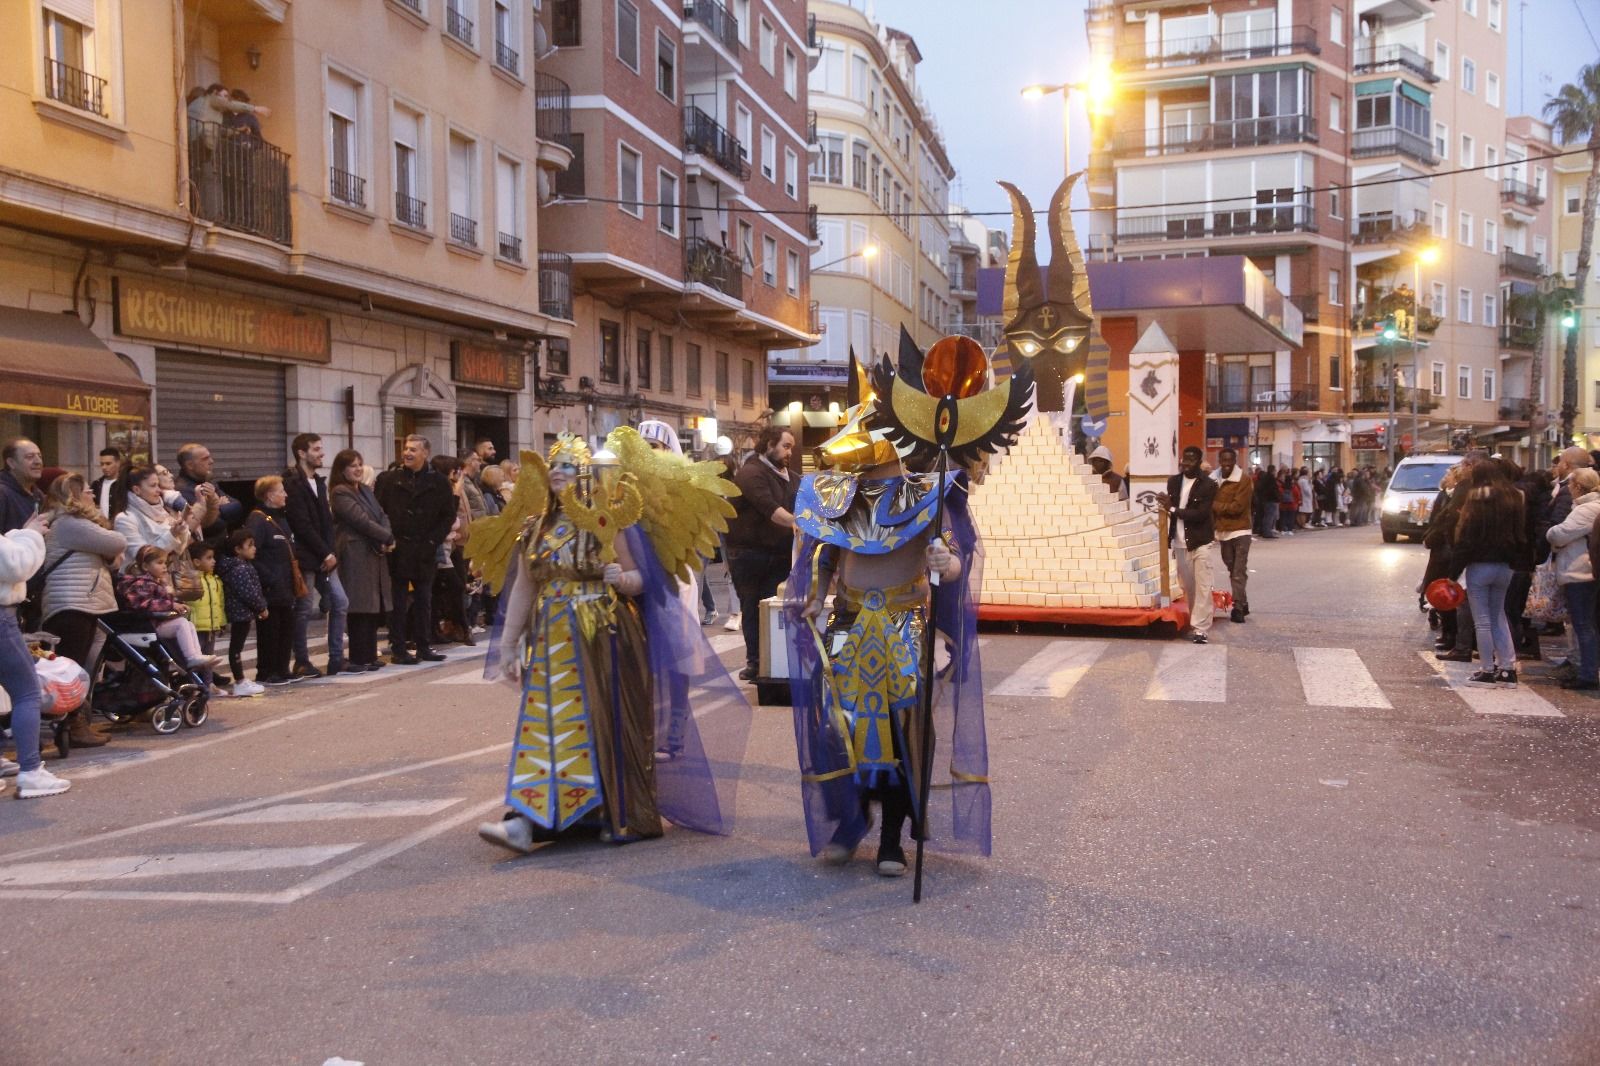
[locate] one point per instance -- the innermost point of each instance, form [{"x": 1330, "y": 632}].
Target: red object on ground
[
  {"x": 1222, "y": 599},
  {"x": 1177, "y": 614},
  {"x": 1444, "y": 594}
]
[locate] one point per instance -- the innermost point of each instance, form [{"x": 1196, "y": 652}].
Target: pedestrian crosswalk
[{"x": 1189, "y": 673}]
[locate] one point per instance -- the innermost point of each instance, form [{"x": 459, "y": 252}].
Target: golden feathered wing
[
  {"x": 492, "y": 541},
  {"x": 685, "y": 502}
]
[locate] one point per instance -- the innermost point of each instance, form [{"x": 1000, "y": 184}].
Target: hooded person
[{"x": 1100, "y": 461}]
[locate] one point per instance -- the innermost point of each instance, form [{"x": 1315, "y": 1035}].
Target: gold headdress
[{"x": 571, "y": 450}]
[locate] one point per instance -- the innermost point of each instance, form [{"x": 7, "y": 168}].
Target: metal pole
[
  {"x": 1388, "y": 374},
  {"x": 1416, "y": 311},
  {"x": 1066, "y": 131}
]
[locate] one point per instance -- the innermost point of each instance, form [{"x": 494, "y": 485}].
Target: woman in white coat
[
  {"x": 21, "y": 556},
  {"x": 147, "y": 520},
  {"x": 1575, "y": 573}
]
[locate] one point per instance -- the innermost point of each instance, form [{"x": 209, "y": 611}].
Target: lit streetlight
[
  {"x": 1429, "y": 255},
  {"x": 1099, "y": 90}
]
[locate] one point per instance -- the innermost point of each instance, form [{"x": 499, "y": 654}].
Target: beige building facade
[
  {"x": 880, "y": 181},
  {"x": 362, "y": 266}
]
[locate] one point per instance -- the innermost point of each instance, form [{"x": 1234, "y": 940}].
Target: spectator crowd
[{"x": 345, "y": 553}]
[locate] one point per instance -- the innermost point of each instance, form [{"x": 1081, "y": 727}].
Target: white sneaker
[
  {"x": 247, "y": 688},
  {"x": 40, "y": 782},
  {"x": 733, "y": 624},
  {"x": 515, "y": 833},
  {"x": 9, "y": 768}
]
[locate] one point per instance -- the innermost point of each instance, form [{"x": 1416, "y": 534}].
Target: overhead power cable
[{"x": 1217, "y": 200}]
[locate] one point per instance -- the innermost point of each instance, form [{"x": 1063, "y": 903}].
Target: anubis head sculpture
[{"x": 1048, "y": 315}]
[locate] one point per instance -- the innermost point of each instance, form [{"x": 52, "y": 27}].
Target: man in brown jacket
[{"x": 1231, "y": 514}]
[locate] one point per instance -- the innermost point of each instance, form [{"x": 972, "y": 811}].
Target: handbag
[
  {"x": 1546, "y": 603},
  {"x": 30, "y": 612},
  {"x": 186, "y": 584}
]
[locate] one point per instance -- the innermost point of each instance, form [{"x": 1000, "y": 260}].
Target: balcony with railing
[
  {"x": 507, "y": 58},
  {"x": 464, "y": 230},
  {"x": 1248, "y": 399},
  {"x": 1252, "y": 221},
  {"x": 1308, "y": 305},
  {"x": 552, "y": 108},
  {"x": 811, "y": 128},
  {"x": 1371, "y": 399},
  {"x": 1517, "y": 408},
  {"x": 988, "y": 333},
  {"x": 718, "y": 21},
  {"x": 1213, "y": 136},
  {"x": 712, "y": 265},
  {"x": 457, "y": 25},
  {"x": 1390, "y": 227},
  {"x": 239, "y": 181},
  {"x": 704, "y": 135},
  {"x": 1392, "y": 140},
  {"x": 75, "y": 88},
  {"x": 1216, "y": 47},
  {"x": 1521, "y": 336},
  {"x": 555, "y": 285},
  {"x": 1513, "y": 191},
  {"x": 963, "y": 282},
  {"x": 814, "y": 324},
  {"x": 813, "y": 41},
  {"x": 508, "y": 246},
  {"x": 1527, "y": 266},
  {"x": 409, "y": 211},
  {"x": 347, "y": 188},
  {"x": 1372, "y": 58}
]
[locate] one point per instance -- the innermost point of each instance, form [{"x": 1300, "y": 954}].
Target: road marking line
[
  {"x": 264, "y": 801},
  {"x": 1521, "y": 701},
  {"x": 1336, "y": 677},
  {"x": 150, "y": 755},
  {"x": 1054, "y": 671},
  {"x": 329, "y": 812},
  {"x": 1191, "y": 673},
  {"x": 129, "y": 867},
  {"x": 393, "y": 848}
]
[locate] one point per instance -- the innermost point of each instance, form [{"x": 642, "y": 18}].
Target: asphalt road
[{"x": 1300, "y": 844}]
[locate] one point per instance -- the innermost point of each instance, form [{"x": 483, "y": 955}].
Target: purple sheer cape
[
  {"x": 959, "y": 803},
  {"x": 695, "y": 788}
]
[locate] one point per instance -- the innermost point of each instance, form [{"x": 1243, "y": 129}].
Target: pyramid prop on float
[{"x": 1060, "y": 545}]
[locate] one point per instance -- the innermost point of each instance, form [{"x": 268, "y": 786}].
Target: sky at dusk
[{"x": 977, "y": 58}]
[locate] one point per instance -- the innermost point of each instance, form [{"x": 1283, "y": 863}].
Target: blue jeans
[
  {"x": 1486, "y": 592},
  {"x": 22, "y": 686},
  {"x": 1269, "y": 519},
  {"x": 338, "y": 610},
  {"x": 1580, "y": 612}
]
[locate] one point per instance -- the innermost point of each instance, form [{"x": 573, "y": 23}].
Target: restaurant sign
[
  {"x": 494, "y": 368},
  {"x": 182, "y": 314},
  {"x": 1366, "y": 442}
]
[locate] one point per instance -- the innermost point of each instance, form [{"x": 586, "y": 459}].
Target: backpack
[{"x": 30, "y": 612}]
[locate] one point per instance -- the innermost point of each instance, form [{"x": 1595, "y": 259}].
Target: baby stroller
[{"x": 138, "y": 672}]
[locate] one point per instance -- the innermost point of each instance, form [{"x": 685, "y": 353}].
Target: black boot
[{"x": 896, "y": 809}]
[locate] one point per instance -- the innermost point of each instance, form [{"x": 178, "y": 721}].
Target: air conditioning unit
[{"x": 586, "y": 383}]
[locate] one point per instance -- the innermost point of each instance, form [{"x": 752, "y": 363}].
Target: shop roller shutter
[{"x": 232, "y": 406}]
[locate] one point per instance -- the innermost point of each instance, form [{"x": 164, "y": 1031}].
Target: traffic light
[
  {"x": 1569, "y": 315},
  {"x": 1388, "y": 329}
]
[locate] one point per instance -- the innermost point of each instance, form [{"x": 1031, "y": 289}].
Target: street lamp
[
  {"x": 868, "y": 252},
  {"x": 1099, "y": 87}
]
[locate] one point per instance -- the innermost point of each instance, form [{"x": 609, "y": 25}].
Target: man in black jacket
[
  {"x": 103, "y": 487},
  {"x": 311, "y": 521},
  {"x": 20, "y": 496},
  {"x": 421, "y": 509},
  {"x": 760, "y": 541},
  {"x": 1188, "y": 502}
]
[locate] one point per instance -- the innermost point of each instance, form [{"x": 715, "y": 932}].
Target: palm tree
[{"x": 1574, "y": 113}]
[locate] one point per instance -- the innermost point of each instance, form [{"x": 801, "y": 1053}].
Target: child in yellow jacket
[{"x": 209, "y": 612}]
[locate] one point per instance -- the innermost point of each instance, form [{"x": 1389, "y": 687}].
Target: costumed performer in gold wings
[{"x": 585, "y": 558}]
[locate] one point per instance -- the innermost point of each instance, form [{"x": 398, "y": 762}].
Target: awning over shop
[{"x": 53, "y": 365}]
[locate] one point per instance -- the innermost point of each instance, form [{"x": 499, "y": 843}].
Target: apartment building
[
  {"x": 1310, "y": 136},
  {"x": 1568, "y": 176},
  {"x": 880, "y": 184},
  {"x": 359, "y": 262},
  {"x": 684, "y": 212},
  {"x": 1530, "y": 385},
  {"x": 975, "y": 248}
]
